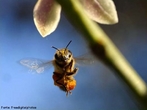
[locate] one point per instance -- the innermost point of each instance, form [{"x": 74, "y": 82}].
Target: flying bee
[{"x": 64, "y": 67}]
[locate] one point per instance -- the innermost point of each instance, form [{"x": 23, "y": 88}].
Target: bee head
[{"x": 63, "y": 55}]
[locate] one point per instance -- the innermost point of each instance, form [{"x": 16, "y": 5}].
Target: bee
[{"x": 64, "y": 67}]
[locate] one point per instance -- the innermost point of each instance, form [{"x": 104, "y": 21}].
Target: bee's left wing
[
  {"x": 36, "y": 64},
  {"x": 85, "y": 59}
]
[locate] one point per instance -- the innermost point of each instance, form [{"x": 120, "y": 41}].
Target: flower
[{"x": 47, "y": 13}]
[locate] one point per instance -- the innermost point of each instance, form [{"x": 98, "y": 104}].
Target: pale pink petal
[
  {"x": 101, "y": 11},
  {"x": 46, "y": 16}
]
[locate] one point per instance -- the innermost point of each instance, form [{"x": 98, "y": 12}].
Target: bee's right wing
[
  {"x": 36, "y": 64},
  {"x": 85, "y": 60}
]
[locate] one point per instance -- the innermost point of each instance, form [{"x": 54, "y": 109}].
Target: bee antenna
[
  {"x": 67, "y": 45},
  {"x": 55, "y": 48}
]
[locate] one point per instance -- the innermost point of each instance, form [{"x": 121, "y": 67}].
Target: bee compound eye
[
  {"x": 57, "y": 57},
  {"x": 69, "y": 51}
]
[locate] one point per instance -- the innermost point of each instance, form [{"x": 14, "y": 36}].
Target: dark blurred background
[{"x": 97, "y": 86}]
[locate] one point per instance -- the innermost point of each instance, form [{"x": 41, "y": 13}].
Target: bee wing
[
  {"x": 85, "y": 59},
  {"x": 36, "y": 65}
]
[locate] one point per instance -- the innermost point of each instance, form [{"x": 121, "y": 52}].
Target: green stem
[{"x": 104, "y": 48}]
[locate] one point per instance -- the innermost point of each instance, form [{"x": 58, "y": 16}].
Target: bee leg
[
  {"x": 72, "y": 73},
  {"x": 68, "y": 92},
  {"x": 75, "y": 70},
  {"x": 58, "y": 81},
  {"x": 70, "y": 66}
]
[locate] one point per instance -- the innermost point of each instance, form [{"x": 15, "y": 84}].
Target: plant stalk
[{"x": 103, "y": 48}]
